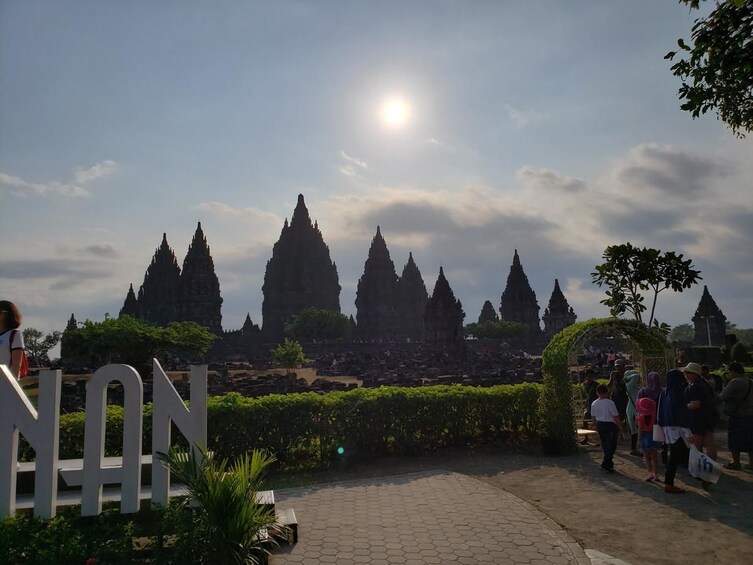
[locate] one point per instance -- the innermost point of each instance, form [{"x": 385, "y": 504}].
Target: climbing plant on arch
[{"x": 555, "y": 403}]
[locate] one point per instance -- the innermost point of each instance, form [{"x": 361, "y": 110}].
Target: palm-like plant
[{"x": 229, "y": 525}]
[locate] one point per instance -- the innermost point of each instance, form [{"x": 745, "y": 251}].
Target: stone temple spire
[
  {"x": 518, "y": 302},
  {"x": 558, "y": 315},
  {"x": 200, "y": 299},
  {"x": 158, "y": 295},
  {"x": 376, "y": 295},
  {"x": 131, "y": 304},
  {"x": 411, "y": 302},
  {"x": 299, "y": 275},
  {"x": 444, "y": 314},
  {"x": 487, "y": 313},
  {"x": 709, "y": 321}
]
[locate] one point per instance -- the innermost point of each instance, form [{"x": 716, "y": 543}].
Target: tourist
[
  {"x": 674, "y": 419},
  {"x": 632, "y": 385},
  {"x": 11, "y": 339},
  {"x": 716, "y": 384},
  {"x": 611, "y": 358},
  {"x": 617, "y": 390},
  {"x": 652, "y": 390},
  {"x": 645, "y": 421},
  {"x": 703, "y": 417},
  {"x": 608, "y": 424},
  {"x": 740, "y": 425}
]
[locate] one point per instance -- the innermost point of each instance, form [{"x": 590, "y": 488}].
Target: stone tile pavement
[{"x": 420, "y": 518}]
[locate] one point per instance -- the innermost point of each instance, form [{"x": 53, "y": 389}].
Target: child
[
  {"x": 608, "y": 424},
  {"x": 646, "y": 418}
]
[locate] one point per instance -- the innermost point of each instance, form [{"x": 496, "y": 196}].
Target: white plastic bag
[
  {"x": 703, "y": 467},
  {"x": 659, "y": 434}
]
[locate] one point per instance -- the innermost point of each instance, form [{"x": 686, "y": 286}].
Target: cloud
[
  {"x": 102, "y": 169},
  {"x": 104, "y": 251},
  {"x": 222, "y": 210},
  {"x": 21, "y": 188},
  {"x": 536, "y": 178},
  {"x": 665, "y": 171},
  {"x": 35, "y": 269},
  {"x": 522, "y": 118},
  {"x": 352, "y": 166}
]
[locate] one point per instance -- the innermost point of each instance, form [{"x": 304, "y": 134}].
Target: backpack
[{"x": 24, "y": 369}]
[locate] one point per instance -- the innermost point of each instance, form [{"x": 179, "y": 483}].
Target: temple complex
[
  {"x": 709, "y": 321},
  {"x": 199, "y": 297},
  {"x": 559, "y": 314},
  {"x": 444, "y": 314},
  {"x": 488, "y": 314},
  {"x": 377, "y": 295},
  {"x": 411, "y": 302},
  {"x": 299, "y": 275},
  {"x": 518, "y": 303}
]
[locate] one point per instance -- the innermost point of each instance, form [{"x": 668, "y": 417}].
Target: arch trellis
[{"x": 650, "y": 350}]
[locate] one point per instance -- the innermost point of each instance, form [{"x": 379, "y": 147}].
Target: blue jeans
[{"x": 608, "y": 436}]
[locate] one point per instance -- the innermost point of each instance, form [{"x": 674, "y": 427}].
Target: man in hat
[{"x": 703, "y": 417}]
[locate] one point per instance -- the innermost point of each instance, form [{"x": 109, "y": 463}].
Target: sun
[{"x": 394, "y": 112}]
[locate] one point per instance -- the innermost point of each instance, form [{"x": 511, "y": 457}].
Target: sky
[{"x": 465, "y": 130}]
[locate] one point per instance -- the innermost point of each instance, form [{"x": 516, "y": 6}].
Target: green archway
[{"x": 651, "y": 352}]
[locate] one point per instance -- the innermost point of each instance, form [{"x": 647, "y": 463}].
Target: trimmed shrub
[{"x": 305, "y": 430}]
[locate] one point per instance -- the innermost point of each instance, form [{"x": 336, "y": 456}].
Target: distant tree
[
  {"x": 628, "y": 271},
  {"x": 744, "y": 336},
  {"x": 718, "y": 71},
  {"x": 133, "y": 341},
  {"x": 289, "y": 354},
  {"x": 739, "y": 353},
  {"x": 38, "y": 345},
  {"x": 314, "y": 323},
  {"x": 496, "y": 330},
  {"x": 682, "y": 333}
]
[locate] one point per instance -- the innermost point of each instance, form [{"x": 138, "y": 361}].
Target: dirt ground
[{"x": 618, "y": 514}]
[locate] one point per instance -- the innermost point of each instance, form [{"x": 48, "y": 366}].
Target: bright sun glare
[{"x": 394, "y": 112}]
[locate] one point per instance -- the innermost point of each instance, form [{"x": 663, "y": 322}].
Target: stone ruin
[{"x": 709, "y": 322}]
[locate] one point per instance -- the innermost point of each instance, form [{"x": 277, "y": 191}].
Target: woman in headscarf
[
  {"x": 652, "y": 389},
  {"x": 674, "y": 418},
  {"x": 632, "y": 384}
]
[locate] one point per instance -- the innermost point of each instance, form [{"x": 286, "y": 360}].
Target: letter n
[
  {"x": 168, "y": 407},
  {"x": 41, "y": 431}
]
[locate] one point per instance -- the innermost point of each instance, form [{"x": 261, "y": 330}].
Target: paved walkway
[{"x": 421, "y": 518}]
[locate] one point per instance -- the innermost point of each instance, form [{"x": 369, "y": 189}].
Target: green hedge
[{"x": 305, "y": 430}]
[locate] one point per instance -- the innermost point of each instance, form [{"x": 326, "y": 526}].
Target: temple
[
  {"x": 518, "y": 303},
  {"x": 157, "y": 300},
  {"x": 199, "y": 290},
  {"x": 558, "y": 314},
  {"x": 487, "y": 313},
  {"x": 299, "y": 275},
  {"x": 411, "y": 302},
  {"x": 444, "y": 314},
  {"x": 709, "y": 321},
  {"x": 376, "y": 296}
]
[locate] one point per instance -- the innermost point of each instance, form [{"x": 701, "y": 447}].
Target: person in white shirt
[{"x": 608, "y": 424}]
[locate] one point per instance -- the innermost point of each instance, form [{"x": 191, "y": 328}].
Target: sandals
[
  {"x": 733, "y": 466},
  {"x": 672, "y": 489}
]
